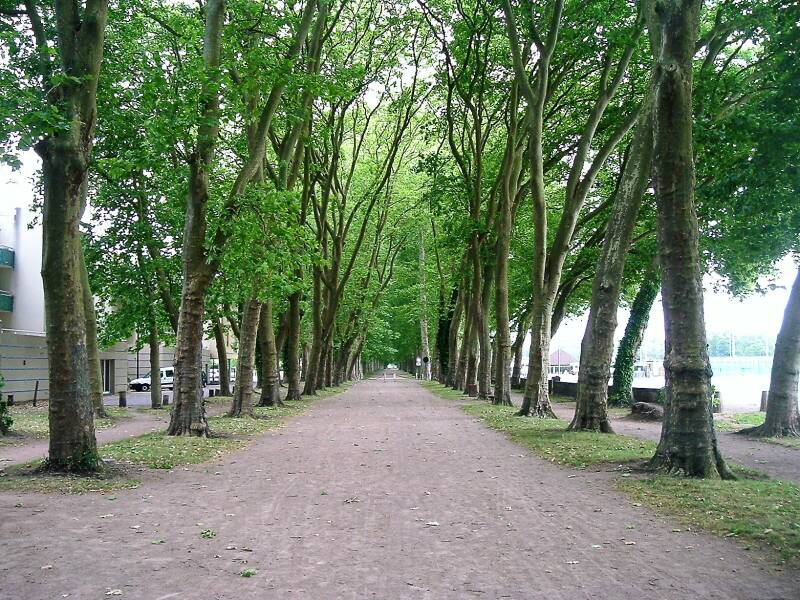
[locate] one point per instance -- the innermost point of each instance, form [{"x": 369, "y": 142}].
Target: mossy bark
[
  {"x": 622, "y": 382},
  {"x": 688, "y": 443}
]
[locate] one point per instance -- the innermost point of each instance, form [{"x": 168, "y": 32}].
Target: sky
[{"x": 758, "y": 314}]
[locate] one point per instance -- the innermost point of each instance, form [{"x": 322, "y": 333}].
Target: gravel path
[
  {"x": 781, "y": 462},
  {"x": 385, "y": 491}
]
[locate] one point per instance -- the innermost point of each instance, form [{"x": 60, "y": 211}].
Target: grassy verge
[
  {"x": 755, "y": 510},
  {"x": 160, "y": 451},
  {"x": 736, "y": 421},
  {"x": 31, "y": 422},
  {"x": 30, "y": 478},
  {"x": 549, "y": 439},
  {"x": 761, "y": 513}
]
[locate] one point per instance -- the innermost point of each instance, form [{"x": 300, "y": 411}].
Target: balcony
[
  {"x": 6, "y": 257},
  {"x": 6, "y": 302}
]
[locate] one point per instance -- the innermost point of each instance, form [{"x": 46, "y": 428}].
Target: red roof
[{"x": 561, "y": 357}]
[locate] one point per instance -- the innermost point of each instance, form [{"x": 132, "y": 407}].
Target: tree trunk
[
  {"x": 188, "y": 415},
  {"x": 72, "y": 440},
  {"x": 270, "y": 386},
  {"x": 591, "y": 404},
  {"x": 293, "y": 348},
  {"x": 536, "y": 401},
  {"x": 452, "y": 342},
  {"x": 516, "y": 351},
  {"x": 484, "y": 338},
  {"x": 242, "y": 405},
  {"x": 502, "y": 362},
  {"x": 314, "y": 365},
  {"x": 78, "y": 39},
  {"x": 222, "y": 359},
  {"x": 155, "y": 363},
  {"x": 688, "y": 443},
  {"x": 782, "y": 414},
  {"x": 423, "y": 302},
  {"x": 622, "y": 384},
  {"x": 92, "y": 349}
]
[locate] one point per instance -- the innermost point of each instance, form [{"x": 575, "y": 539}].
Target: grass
[
  {"x": 736, "y": 421},
  {"x": 549, "y": 439},
  {"x": 756, "y": 510},
  {"x": 791, "y": 442},
  {"x": 447, "y": 393},
  {"x": 160, "y": 451},
  {"x": 31, "y": 422},
  {"x": 762, "y": 513},
  {"x": 30, "y": 478}
]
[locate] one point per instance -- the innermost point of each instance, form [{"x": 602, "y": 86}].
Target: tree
[
  {"x": 782, "y": 414},
  {"x": 57, "y": 106},
  {"x": 688, "y": 443}
]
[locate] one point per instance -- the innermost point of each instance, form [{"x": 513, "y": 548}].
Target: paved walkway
[
  {"x": 386, "y": 492},
  {"x": 781, "y": 462}
]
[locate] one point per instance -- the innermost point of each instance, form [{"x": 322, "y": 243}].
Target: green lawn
[
  {"x": 762, "y": 513},
  {"x": 31, "y": 422},
  {"x": 549, "y": 439},
  {"x": 736, "y": 421},
  {"x": 754, "y": 509}
]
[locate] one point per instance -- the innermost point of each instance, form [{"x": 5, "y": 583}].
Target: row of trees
[
  {"x": 341, "y": 182},
  {"x": 597, "y": 115}
]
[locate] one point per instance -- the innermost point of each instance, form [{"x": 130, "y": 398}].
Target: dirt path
[
  {"x": 778, "y": 461},
  {"x": 138, "y": 423},
  {"x": 383, "y": 492}
]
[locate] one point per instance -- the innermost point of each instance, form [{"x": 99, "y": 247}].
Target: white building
[{"x": 23, "y": 348}]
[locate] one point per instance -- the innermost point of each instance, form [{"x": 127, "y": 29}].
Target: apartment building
[{"x": 23, "y": 349}]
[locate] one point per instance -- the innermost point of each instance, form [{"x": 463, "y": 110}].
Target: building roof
[{"x": 562, "y": 357}]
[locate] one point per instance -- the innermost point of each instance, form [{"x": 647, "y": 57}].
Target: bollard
[
  {"x": 164, "y": 400},
  {"x": 10, "y": 399},
  {"x": 210, "y": 393},
  {"x": 123, "y": 398},
  {"x": 764, "y": 399},
  {"x": 35, "y": 392}
]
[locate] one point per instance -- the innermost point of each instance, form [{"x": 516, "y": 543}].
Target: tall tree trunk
[
  {"x": 78, "y": 39},
  {"x": 452, "y": 342},
  {"x": 280, "y": 343},
  {"x": 92, "y": 349},
  {"x": 688, "y": 442},
  {"x": 423, "y": 302},
  {"x": 155, "y": 362},
  {"x": 72, "y": 440},
  {"x": 782, "y": 414},
  {"x": 242, "y": 405},
  {"x": 222, "y": 359},
  {"x": 597, "y": 347},
  {"x": 464, "y": 350},
  {"x": 312, "y": 369},
  {"x": 293, "y": 348},
  {"x": 484, "y": 338},
  {"x": 516, "y": 351},
  {"x": 536, "y": 401},
  {"x": 622, "y": 383},
  {"x": 188, "y": 415},
  {"x": 270, "y": 386},
  {"x": 502, "y": 362}
]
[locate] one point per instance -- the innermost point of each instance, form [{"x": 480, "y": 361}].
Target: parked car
[{"x": 143, "y": 384}]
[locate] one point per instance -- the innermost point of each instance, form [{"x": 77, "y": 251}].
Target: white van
[{"x": 142, "y": 384}]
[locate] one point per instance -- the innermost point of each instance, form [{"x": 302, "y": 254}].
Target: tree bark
[
  {"x": 453, "y": 360},
  {"x": 516, "y": 351},
  {"x": 66, "y": 154},
  {"x": 155, "y": 363},
  {"x": 293, "y": 348},
  {"x": 188, "y": 415},
  {"x": 423, "y": 302},
  {"x": 688, "y": 443},
  {"x": 222, "y": 359},
  {"x": 597, "y": 347},
  {"x": 242, "y": 405},
  {"x": 92, "y": 347},
  {"x": 782, "y": 415},
  {"x": 622, "y": 383},
  {"x": 270, "y": 387}
]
